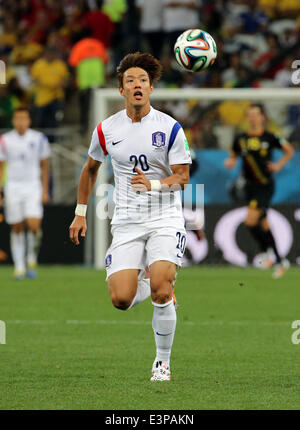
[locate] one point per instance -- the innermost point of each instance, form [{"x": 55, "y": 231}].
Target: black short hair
[
  {"x": 22, "y": 109},
  {"x": 145, "y": 61},
  {"x": 259, "y": 106}
]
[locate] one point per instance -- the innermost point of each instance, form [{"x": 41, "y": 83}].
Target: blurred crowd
[{"x": 56, "y": 51}]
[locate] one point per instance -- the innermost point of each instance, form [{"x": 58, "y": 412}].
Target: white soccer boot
[{"x": 160, "y": 371}]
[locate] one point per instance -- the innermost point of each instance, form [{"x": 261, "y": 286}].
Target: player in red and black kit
[{"x": 255, "y": 147}]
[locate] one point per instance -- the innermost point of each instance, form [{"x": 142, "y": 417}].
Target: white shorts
[
  {"x": 135, "y": 246},
  {"x": 22, "y": 201}
]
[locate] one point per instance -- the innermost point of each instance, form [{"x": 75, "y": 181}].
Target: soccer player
[
  {"x": 26, "y": 153},
  {"x": 255, "y": 147},
  {"x": 150, "y": 158}
]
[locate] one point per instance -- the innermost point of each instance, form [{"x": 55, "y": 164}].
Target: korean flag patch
[{"x": 158, "y": 139}]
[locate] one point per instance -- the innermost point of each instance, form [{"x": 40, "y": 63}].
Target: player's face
[
  {"x": 136, "y": 87},
  {"x": 21, "y": 121},
  {"x": 255, "y": 118}
]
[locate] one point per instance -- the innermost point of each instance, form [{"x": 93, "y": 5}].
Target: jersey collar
[
  {"x": 22, "y": 136},
  {"x": 145, "y": 118}
]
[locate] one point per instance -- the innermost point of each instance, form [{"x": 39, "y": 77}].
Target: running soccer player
[
  {"x": 150, "y": 158},
  {"x": 26, "y": 153},
  {"x": 255, "y": 147}
]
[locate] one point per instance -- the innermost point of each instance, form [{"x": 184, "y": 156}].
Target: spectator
[
  {"x": 115, "y": 9},
  {"x": 178, "y": 16},
  {"x": 288, "y": 37},
  {"x": 151, "y": 24},
  {"x": 229, "y": 75},
  {"x": 283, "y": 77},
  {"x": 253, "y": 20},
  {"x": 50, "y": 75},
  {"x": 262, "y": 63},
  {"x": 62, "y": 44},
  {"x": 101, "y": 25},
  {"x": 26, "y": 50},
  {"x": 38, "y": 32},
  {"x": 89, "y": 57}
]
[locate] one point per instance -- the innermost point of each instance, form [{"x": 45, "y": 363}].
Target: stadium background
[{"x": 57, "y": 52}]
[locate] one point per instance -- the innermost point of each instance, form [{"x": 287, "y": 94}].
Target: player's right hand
[
  {"x": 230, "y": 162},
  {"x": 78, "y": 226}
]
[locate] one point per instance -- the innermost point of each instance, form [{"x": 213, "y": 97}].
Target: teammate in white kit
[
  {"x": 26, "y": 153},
  {"x": 150, "y": 158}
]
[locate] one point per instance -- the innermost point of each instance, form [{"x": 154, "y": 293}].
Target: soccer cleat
[
  {"x": 280, "y": 269},
  {"x": 160, "y": 371},
  {"x": 31, "y": 271},
  {"x": 19, "y": 275}
]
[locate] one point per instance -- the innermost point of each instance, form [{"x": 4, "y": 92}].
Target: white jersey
[
  {"x": 22, "y": 154},
  {"x": 152, "y": 145}
]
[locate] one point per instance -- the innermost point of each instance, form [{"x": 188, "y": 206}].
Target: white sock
[
  {"x": 164, "y": 325},
  {"x": 17, "y": 245},
  {"x": 142, "y": 293},
  {"x": 32, "y": 246}
]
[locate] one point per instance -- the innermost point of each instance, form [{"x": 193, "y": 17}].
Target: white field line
[{"x": 143, "y": 322}]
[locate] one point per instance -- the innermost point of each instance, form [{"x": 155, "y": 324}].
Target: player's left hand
[
  {"x": 139, "y": 182},
  {"x": 45, "y": 197},
  {"x": 273, "y": 167}
]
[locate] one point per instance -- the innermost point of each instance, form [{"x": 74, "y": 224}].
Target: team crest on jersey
[
  {"x": 108, "y": 260},
  {"x": 158, "y": 139}
]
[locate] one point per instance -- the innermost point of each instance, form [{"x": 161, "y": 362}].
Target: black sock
[
  {"x": 258, "y": 234},
  {"x": 269, "y": 239}
]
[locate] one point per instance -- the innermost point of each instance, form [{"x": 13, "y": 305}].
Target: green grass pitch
[{"x": 68, "y": 348}]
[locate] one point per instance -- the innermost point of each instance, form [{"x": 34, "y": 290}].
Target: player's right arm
[
  {"x": 86, "y": 183},
  {"x": 231, "y": 161},
  {"x": 234, "y": 153}
]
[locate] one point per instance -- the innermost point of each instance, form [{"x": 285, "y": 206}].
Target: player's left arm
[
  {"x": 45, "y": 179},
  {"x": 179, "y": 178},
  {"x": 288, "y": 150}
]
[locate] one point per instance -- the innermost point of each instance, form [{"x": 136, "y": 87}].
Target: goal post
[{"x": 102, "y": 97}]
